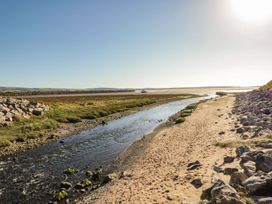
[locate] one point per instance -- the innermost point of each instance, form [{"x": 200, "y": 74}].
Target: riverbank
[
  {"x": 86, "y": 112},
  {"x": 158, "y": 173}
]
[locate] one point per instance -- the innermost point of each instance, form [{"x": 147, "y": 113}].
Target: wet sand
[{"x": 156, "y": 166}]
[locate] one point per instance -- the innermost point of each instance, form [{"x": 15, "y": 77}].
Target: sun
[{"x": 253, "y": 11}]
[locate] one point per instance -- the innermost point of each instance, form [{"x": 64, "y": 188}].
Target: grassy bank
[{"x": 72, "y": 112}]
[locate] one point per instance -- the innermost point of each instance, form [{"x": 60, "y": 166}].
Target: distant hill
[
  {"x": 266, "y": 86},
  {"x": 20, "y": 91}
]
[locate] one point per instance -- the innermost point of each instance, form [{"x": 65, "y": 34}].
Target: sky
[{"x": 135, "y": 43}]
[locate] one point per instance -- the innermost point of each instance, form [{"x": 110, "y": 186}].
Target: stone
[
  {"x": 264, "y": 200},
  {"x": 110, "y": 177},
  {"x": 242, "y": 149},
  {"x": 218, "y": 169},
  {"x": 237, "y": 179},
  {"x": 264, "y": 162},
  {"x": 196, "y": 183},
  {"x": 228, "y": 159},
  {"x": 218, "y": 189},
  {"x": 229, "y": 171},
  {"x": 193, "y": 165},
  {"x": 259, "y": 184},
  {"x": 37, "y": 112},
  {"x": 240, "y": 130},
  {"x": 249, "y": 168}
]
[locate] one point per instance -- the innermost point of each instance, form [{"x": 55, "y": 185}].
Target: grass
[
  {"x": 236, "y": 143},
  {"x": 75, "y": 109},
  {"x": 266, "y": 86},
  {"x": 187, "y": 111}
]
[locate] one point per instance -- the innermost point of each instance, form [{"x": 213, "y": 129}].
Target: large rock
[
  {"x": 259, "y": 184},
  {"x": 264, "y": 162},
  {"x": 221, "y": 193},
  {"x": 237, "y": 179},
  {"x": 249, "y": 168}
]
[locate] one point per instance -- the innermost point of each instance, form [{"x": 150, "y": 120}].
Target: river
[{"x": 28, "y": 177}]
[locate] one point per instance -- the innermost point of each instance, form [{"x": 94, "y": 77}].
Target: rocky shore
[
  {"x": 254, "y": 113},
  {"x": 250, "y": 181},
  {"x": 12, "y": 108}
]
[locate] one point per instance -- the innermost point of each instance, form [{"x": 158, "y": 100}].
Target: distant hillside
[{"x": 267, "y": 86}]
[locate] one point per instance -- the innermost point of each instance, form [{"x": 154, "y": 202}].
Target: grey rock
[
  {"x": 264, "y": 162},
  {"x": 242, "y": 149},
  {"x": 193, "y": 165},
  {"x": 237, "y": 179},
  {"x": 228, "y": 159},
  {"x": 249, "y": 168},
  {"x": 196, "y": 183},
  {"x": 259, "y": 184}
]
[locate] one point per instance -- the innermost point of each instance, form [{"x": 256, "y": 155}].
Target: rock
[
  {"x": 37, "y": 112},
  {"x": 110, "y": 177},
  {"x": 237, "y": 179},
  {"x": 217, "y": 189},
  {"x": 228, "y": 200},
  {"x": 221, "y": 133},
  {"x": 249, "y": 168},
  {"x": 264, "y": 200},
  {"x": 264, "y": 162},
  {"x": 193, "y": 165},
  {"x": 242, "y": 149},
  {"x": 12, "y": 108},
  {"x": 196, "y": 183},
  {"x": 266, "y": 145},
  {"x": 240, "y": 130},
  {"x": 218, "y": 169},
  {"x": 259, "y": 184},
  {"x": 230, "y": 171},
  {"x": 228, "y": 159},
  {"x": 126, "y": 174}
]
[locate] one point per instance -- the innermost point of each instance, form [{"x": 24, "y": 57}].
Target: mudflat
[{"x": 159, "y": 174}]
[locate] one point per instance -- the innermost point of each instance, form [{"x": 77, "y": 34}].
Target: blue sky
[{"x": 125, "y": 43}]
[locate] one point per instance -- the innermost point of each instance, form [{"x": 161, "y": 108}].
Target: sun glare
[{"x": 253, "y": 11}]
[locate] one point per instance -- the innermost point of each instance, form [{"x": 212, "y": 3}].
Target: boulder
[{"x": 264, "y": 162}]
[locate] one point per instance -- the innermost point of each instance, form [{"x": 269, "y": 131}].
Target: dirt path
[{"x": 160, "y": 175}]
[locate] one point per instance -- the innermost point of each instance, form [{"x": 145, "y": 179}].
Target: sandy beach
[{"x": 158, "y": 173}]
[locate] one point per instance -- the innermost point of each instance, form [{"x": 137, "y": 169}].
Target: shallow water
[{"x": 27, "y": 177}]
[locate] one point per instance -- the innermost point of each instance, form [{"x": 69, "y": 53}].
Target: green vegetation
[
  {"x": 74, "y": 109},
  {"x": 70, "y": 170},
  {"x": 60, "y": 195},
  {"x": 65, "y": 184},
  {"x": 179, "y": 120},
  {"x": 266, "y": 86},
  {"x": 180, "y": 117}
]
